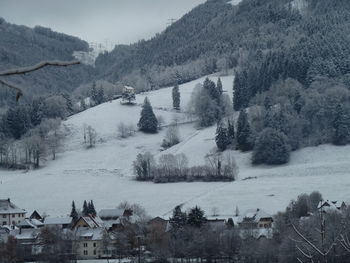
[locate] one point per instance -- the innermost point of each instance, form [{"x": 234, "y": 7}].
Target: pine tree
[
  {"x": 100, "y": 95},
  {"x": 69, "y": 102},
  {"x": 82, "y": 104},
  {"x": 243, "y": 132},
  {"x": 94, "y": 93},
  {"x": 341, "y": 127},
  {"x": 196, "y": 217},
  {"x": 85, "y": 208},
  {"x": 271, "y": 148},
  {"x": 176, "y": 97},
  {"x": 211, "y": 88},
  {"x": 231, "y": 132},
  {"x": 219, "y": 87},
  {"x": 74, "y": 213},
  {"x": 148, "y": 122},
  {"x": 36, "y": 112},
  {"x": 221, "y": 138},
  {"x": 91, "y": 207},
  {"x": 179, "y": 219}
]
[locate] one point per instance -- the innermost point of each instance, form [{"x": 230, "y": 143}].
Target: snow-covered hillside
[{"x": 104, "y": 173}]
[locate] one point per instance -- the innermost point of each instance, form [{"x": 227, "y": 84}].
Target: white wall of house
[{"x": 11, "y": 218}]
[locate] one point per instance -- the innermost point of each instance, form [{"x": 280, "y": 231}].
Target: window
[
  {"x": 13, "y": 215},
  {"x": 85, "y": 244},
  {"x": 85, "y": 252},
  {"x": 3, "y": 216},
  {"x": 94, "y": 244},
  {"x": 4, "y": 223},
  {"x": 95, "y": 252}
]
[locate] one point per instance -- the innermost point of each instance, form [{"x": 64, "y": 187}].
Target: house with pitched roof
[
  {"x": 255, "y": 223},
  {"x": 10, "y": 214}
]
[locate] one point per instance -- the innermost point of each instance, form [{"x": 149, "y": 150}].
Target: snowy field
[{"x": 104, "y": 173}]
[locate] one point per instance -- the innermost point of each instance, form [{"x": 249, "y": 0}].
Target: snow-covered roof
[
  {"x": 29, "y": 233},
  {"x": 111, "y": 213},
  {"x": 57, "y": 220},
  {"x": 253, "y": 215},
  {"x": 7, "y": 207},
  {"x": 331, "y": 205},
  {"x": 89, "y": 233},
  {"x": 32, "y": 223},
  {"x": 92, "y": 221}
]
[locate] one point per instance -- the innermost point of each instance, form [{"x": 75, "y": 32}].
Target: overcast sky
[{"x": 119, "y": 21}]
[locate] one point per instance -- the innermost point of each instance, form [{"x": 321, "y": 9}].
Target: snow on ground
[
  {"x": 104, "y": 173},
  {"x": 235, "y": 2}
]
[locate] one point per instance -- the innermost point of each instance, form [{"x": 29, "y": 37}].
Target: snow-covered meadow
[{"x": 104, "y": 173}]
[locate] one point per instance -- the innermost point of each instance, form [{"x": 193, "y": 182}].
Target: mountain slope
[
  {"x": 23, "y": 46},
  {"x": 104, "y": 172}
]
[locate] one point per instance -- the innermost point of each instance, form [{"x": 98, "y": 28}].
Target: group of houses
[{"x": 88, "y": 234}]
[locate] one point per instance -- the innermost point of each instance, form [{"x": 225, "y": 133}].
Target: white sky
[{"x": 117, "y": 21}]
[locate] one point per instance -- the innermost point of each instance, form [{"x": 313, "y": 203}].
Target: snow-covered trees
[
  {"x": 178, "y": 219},
  {"x": 271, "y": 147},
  {"x": 341, "y": 126},
  {"x": 172, "y": 136},
  {"x": 195, "y": 217},
  {"x": 90, "y": 136},
  {"x": 174, "y": 168},
  {"x": 243, "y": 135},
  {"x": 126, "y": 130},
  {"x": 209, "y": 103},
  {"x": 176, "y": 97},
  {"x": 143, "y": 166},
  {"x": 148, "y": 122},
  {"x": 222, "y": 139}
]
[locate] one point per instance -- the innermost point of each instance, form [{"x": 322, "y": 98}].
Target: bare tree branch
[
  {"x": 307, "y": 241},
  {"x": 12, "y": 86},
  {"x": 24, "y": 70}
]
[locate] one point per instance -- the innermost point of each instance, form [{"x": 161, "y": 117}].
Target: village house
[
  {"x": 331, "y": 206},
  {"x": 60, "y": 222},
  {"x": 90, "y": 236},
  {"x": 10, "y": 214},
  {"x": 256, "y": 223}
]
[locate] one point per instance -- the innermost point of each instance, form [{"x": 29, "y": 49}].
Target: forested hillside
[{"x": 22, "y": 46}]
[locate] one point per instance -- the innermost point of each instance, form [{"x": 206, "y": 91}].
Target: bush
[
  {"x": 172, "y": 136},
  {"x": 271, "y": 147},
  {"x": 126, "y": 130}
]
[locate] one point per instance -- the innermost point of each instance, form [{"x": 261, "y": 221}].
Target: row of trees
[{"x": 175, "y": 168}]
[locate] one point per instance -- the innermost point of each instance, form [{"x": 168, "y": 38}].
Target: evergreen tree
[
  {"x": 231, "y": 132},
  {"x": 243, "y": 135},
  {"x": 85, "y": 208},
  {"x": 74, "y": 213},
  {"x": 69, "y": 103},
  {"x": 82, "y": 104},
  {"x": 100, "y": 95},
  {"x": 221, "y": 138},
  {"x": 211, "y": 88},
  {"x": 91, "y": 208},
  {"x": 94, "y": 93},
  {"x": 196, "y": 217},
  {"x": 219, "y": 87},
  {"x": 148, "y": 122},
  {"x": 341, "y": 127},
  {"x": 271, "y": 147},
  {"x": 176, "y": 97},
  {"x": 179, "y": 219},
  {"x": 36, "y": 112}
]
